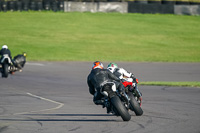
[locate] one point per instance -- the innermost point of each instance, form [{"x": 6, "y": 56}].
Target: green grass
[
  {"x": 180, "y": 84},
  {"x": 58, "y": 36}
]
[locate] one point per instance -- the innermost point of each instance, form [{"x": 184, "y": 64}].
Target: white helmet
[
  {"x": 5, "y": 46},
  {"x": 112, "y": 66}
]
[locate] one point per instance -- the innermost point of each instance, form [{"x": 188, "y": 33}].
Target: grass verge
[
  {"x": 74, "y": 36},
  {"x": 178, "y": 84}
]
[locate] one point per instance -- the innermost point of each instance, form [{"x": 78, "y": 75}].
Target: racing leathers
[
  {"x": 100, "y": 80},
  {"x": 19, "y": 61},
  {"x": 5, "y": 52}
]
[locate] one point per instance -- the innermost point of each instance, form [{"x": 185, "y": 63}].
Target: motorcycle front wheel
[{"x": 120, "y": 108}]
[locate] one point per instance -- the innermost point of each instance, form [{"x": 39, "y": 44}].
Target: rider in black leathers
[
  {"x": 100, "y": 78},
  {"x": 19, "y": 61},
  {"x": 4, "y": 51}
]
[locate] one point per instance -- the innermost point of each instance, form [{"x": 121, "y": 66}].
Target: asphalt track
[{"x": 53, "y": 97}]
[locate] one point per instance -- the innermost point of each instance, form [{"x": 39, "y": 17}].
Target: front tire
[
  {"x": 120, "y": 108},
  {"x": 134, "y": 105}
]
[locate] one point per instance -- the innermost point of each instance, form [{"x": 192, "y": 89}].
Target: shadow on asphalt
[
  {"x": 75, "y": 119},
  {"x": 69, "y": 114}
]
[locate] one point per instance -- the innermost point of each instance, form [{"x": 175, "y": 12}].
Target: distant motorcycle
[{"x": 8, "y": 66}]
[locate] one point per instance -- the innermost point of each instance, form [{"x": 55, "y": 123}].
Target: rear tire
[
  {"x": 134, "y": 105},
  {"x": 120, "y": 108},
  {"x": 5, "y": 70}
]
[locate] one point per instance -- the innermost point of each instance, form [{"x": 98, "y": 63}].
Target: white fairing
[
  {"x": 124, "y": 72},
  {"x": 128, "y": 79},
  {"x": 114, "y": 88},
  {"x": 5, "y": 56},
  {"x": 104, "y": 93}
]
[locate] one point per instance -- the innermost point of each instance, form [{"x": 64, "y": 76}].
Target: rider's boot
[
  {"x": 99, "y": 102},
  {"x": 108, "y": 110}
]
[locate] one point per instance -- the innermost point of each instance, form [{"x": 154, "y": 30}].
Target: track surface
[{"x": 49, "y": 97}]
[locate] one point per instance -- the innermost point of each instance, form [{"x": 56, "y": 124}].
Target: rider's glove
[{"x": 132, "y": 76}]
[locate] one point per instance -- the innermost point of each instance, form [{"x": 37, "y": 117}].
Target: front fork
[
  {"x": 137, "y": 91},
  {"x": 138, "y": 95}
]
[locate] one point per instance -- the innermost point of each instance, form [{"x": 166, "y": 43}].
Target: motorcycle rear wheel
[
  {"x": 120, "y": 108},
  {"x": 134, "y": 105},
  {"x": 5, "y": 70}
]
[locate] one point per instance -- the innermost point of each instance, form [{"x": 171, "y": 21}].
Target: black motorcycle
[
  {"x": 5, "y": 65},
  {"x": 117, "y": 102},
  {"x": 9, "y": 67}
]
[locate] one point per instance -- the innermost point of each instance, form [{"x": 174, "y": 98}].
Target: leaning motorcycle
[
  {"x": 117, "y": 102},
  {"x": 135, "y": 102},
  {"x": 6, "y": 65}
]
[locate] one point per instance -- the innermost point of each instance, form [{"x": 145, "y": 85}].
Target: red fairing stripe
[{"x": 126, "y": 83}]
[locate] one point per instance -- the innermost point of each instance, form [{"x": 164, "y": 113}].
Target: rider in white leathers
[{"x": 126, "y": 77}]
